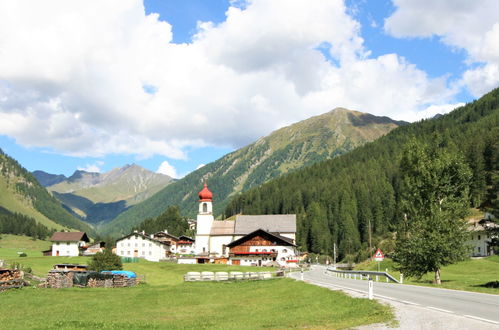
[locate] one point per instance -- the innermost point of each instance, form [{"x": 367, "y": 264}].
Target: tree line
[
  {"x": 19, "y": 224},
  {"x": 354, "y": 202}
]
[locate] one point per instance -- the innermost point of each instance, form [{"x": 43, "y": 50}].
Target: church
[{"x": 259, "y": 240}]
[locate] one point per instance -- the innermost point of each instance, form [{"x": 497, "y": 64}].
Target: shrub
[{"x": 106, "y": 260}]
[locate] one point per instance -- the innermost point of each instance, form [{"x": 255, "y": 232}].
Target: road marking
[
  {"x": 481, "y": 319},
  {"x": 440, "y": 309}
]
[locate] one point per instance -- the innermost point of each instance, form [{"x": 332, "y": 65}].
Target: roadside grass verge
[{"x": 468, "y": 275}]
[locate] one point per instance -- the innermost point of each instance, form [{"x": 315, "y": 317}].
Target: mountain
[
  {"x": 354, "y": 200},
  {"x": 98, "y": 198},
  {"x": 287, "y": 149},
  {"x": 23, "y": 196},
  {"x": 47, "y": 179}
]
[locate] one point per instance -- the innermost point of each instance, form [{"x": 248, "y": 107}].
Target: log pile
[
  {"x": 59, "y": 279},
  {"x": 116, "y": 281},
  {"x": 11, "y": 278}
]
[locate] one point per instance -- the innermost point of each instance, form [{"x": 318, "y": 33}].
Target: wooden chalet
[{"x": 262, "y": 248}]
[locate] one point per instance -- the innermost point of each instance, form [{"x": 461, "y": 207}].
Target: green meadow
[
  {"x": 468, "y": 275},
  {"x": 165, "y": 301}
]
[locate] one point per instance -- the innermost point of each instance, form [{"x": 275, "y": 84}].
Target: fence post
[
  {"x": 401, "y": 278},
  {"x": 386, "y": 271},
  {"x": 370, "y": 293}
]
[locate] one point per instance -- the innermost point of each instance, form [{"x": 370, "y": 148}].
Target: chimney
[
  {"x": 152, "y": 235},
  {"x": 135, "y": 231},
  {"x": 143, "y": 232},
  {"x": 166, "y": 231}
]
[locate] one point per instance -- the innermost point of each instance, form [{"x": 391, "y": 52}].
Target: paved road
[{"x": 470, "y": 304}]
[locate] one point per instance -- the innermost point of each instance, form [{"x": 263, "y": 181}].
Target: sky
[{"x": 172, "y": 85}]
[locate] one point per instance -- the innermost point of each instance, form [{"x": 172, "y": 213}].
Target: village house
[
  {"x": 214, "y": 238},
  {"x": 68, "y": 244},
  {"x": 94, "y": 248},
  {"x": 185, "y": 245},
  {"x": 140, "y": 245},
  {"x": 261, "y": 248},
  {"x": 480, "y": 237}
]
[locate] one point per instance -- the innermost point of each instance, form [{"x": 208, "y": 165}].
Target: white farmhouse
[
  {"x": 68, "y": 244},
  {"x": 140, "y": 245},
  {"x": 480, "y": 237}
]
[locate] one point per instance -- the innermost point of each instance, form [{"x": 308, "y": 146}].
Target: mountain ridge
[
  {"x": 286, "y": 149},
  {"x": 99, "y": 197}
]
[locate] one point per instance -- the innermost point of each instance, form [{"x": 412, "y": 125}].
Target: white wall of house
[
  {"x": 141, "y": 247},
  {"x": 479, "y": 244},
  {"x": 217, "y": 243},
  {"x": 186, "y": 249},
  {"x": 66, "y": 249}
]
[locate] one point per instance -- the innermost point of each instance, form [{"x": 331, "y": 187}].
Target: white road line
[
  {"x": 440, "y": 309},
  {"x": 481, "y": 319}
]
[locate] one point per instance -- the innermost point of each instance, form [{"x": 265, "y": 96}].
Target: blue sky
[{"x": 171, "y": 85}]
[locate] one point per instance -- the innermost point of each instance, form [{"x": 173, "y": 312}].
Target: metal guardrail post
[{"x": 401, "y": 278}]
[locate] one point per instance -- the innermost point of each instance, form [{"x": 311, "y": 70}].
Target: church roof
[
  {"x": 224, "y": 227},
  {"x": 274, "y": 223}
]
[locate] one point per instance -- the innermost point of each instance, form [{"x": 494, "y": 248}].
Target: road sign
[{"x": 378, "y": 255}]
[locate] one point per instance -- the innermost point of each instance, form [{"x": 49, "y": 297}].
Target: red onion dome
[{"x": 205, "y": 195}]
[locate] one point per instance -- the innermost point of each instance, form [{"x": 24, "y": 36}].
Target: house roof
[
  {"x": 186, "y": 238},
  {"x": 276, "y": 223},
  {"x": 146, "y": 237},
  {"x": 69, "y": 237},
  {"x": 222, "y": 227},
  {"x": 163, "y": 234},
  {"x": 278, "y": 239}
]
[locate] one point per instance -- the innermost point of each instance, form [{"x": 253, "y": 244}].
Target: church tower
[{"x": 204, "y": 220}]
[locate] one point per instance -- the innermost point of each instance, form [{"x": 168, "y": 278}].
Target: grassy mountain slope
[
  {"x": 20, "y": 192},
  {"x": 343, "y": 200},
  {"x": 289, "y": 148},
  {"x": 96, "y": 197}
]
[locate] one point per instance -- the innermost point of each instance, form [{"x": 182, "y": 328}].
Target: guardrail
[{"x": 353, "y": 274}]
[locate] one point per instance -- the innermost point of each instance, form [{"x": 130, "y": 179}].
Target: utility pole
[
  {"x": 369, "y": 231},
  {"x": 334, "y": 255}
]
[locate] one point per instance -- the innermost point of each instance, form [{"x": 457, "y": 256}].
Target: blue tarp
[{"x": 127, "y": 273}]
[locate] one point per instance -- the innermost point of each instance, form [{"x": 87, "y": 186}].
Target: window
[
  {"x": 67, "y": 243},
  {"x": 128, "y": 252},
  {"x": 478, "y": 237},
  {"x": 143, "y": 244},
  {"x": 121, "y": 252},
  {"x": 205, "y": 207},
  {"x": 264, "y": 250},
  {"x": 135, "y": 244},
  {"x": 479, "y": 250},
  {"x": 150, "y": 244},
  {"x": 128, "y": 244},
  {"x": 143, "y": 253},
  {"x": 284, "y": 251},
  {"x": 150, "y": 252}
]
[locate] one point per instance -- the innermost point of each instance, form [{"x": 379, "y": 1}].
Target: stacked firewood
[
  {"x": 59, "y": 280},
  {"x": 11, "y": 278}
]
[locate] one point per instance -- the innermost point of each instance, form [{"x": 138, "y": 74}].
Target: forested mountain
[
  {"x": 100, "y": 197},
  {"x": 346, "y": 199},
  {"x": 287, "y": 149},
  {"x": 21, "y": 194},
  {"x": 19, "y": 224}
]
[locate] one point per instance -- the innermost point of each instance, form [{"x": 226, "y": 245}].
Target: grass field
[
  {"x": 165, "y": 301},
  {"x": 469, "y": 275}
]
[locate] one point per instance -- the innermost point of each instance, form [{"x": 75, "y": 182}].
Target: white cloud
[
  {"x": 167, "y": 169},
  {"x": 461, "y": 24},
  {"x": 93, "y": 78},
  {"x": 94, "y": 168}
]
